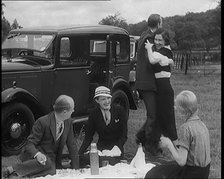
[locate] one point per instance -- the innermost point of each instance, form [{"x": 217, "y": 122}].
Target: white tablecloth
[{"x": 120, "y": 170}]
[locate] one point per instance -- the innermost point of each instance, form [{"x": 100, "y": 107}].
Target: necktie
[
  {"x": 59, "y": 131},
  {"x": 107, "y": 116}
]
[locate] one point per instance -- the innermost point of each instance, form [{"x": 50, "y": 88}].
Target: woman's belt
[{"x": 163, "y": 74}]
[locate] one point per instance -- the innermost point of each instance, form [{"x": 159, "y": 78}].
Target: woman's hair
[
  {"x": 165, "y": 34},
  {"x": 63, "y": 102},
  {"x": 187, "y": 100}
]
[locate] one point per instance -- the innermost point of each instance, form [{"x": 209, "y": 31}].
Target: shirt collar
[
  {"x": 58, "y": 121},
  {"x": 193, "y": 118}
]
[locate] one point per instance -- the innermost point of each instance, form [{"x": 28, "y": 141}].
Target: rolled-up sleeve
[{"x": 184, "y": 137}]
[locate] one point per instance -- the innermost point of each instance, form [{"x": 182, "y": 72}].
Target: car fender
[
  {"x": 122, "y": 84},
  {"x": 20, "y": 94}
]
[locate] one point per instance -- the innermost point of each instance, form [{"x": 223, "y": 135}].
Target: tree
[
  {"x": 5, "y": 25},
  {"x": 115, "y": 20},
  {"x": 2, "y": 8},
  {"x": 5, "y": 28},
  {"x": 15, "y": 25},
  {"x": 137, "y": 29}
]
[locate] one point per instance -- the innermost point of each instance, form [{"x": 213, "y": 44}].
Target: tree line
[
  {"x": 190, "y": 31},
  {"x": 200, "y": 31}
]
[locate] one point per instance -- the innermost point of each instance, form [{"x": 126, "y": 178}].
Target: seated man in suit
[{"x": 43, "y": 151}]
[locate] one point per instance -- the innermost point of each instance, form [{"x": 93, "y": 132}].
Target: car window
[
  {"x": 132, "y": 49},
  {"x": 73, "y": 51},
  {"x": 98, "y": 47},
  {"x": 65, "y": 51},
  {"x": 122, "y": 50}
]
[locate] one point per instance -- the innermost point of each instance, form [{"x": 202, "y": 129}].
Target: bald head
[{"x": 63, "y": 102}]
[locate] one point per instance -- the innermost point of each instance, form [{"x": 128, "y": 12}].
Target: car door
[
  {"x": 122, "y": 56},
  {"x": 71, "y": 72}
]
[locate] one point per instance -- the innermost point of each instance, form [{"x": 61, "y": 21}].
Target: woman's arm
[
  {"x": 179, "y": 154},
  {"x": 89, "y": 132},
  {"x": 123, "y": 137},
  {"x": 162, "y": 58},
  {"x": 152, "y": 59},
  {"x": 155, "y": 57}
]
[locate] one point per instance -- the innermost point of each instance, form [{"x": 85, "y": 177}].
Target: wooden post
[
  {"x": 204, "y": 63},
  {"x": 182, "y": 62},
  {"x": 186, "y": 64}
]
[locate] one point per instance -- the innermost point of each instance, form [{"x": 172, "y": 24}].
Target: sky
[{"x": 50, "y": 13}]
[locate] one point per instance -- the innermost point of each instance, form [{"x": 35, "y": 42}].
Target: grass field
[{"x": 208, "y": 90}]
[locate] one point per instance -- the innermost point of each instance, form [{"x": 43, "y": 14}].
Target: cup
[
  {"x": 124, "y": 161},
  {"x": 105, "y": 163}
]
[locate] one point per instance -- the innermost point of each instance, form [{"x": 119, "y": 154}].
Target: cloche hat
[{"x": 102, "y": 91}]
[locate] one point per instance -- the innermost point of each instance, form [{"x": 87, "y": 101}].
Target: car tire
[
  {"x": 120, "y": 98},
  {"x": 17, "y": 122}
]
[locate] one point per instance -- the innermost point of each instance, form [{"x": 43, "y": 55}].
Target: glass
[
  {"x": 105, "y": 163},
  {"x": 124, "y": 161}
]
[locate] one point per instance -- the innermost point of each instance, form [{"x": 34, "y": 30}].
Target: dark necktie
[{"x": 59, "y": 132}]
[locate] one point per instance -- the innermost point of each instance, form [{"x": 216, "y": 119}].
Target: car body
[
  {"x": 133, "y": 47},
  {"x": 39, "y": 64}
]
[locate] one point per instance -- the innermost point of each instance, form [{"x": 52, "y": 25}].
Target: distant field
[{"x": 208, "y": 90}]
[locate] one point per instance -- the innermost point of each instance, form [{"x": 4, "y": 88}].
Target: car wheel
[
  {"x": 17, "y": 122},
  {"x": 120, "y": 98}
]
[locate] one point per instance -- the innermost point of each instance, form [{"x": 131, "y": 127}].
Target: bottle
[{"x": 94, "y": 159}]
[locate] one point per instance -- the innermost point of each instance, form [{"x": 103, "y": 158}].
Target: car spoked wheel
[
  {"x": 17, "y": 122},
  {"x": 120, "y": 98}
]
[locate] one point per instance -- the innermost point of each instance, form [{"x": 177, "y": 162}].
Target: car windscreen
[
  {"x": 39, "y": 45},
  {"x": 34, "y": 42}
]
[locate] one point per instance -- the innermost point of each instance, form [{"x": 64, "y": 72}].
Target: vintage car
[
  {"x": 133, "y": 59},
  {"x": 39, "y": 64}
]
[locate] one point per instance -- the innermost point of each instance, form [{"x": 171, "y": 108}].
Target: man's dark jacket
[
  {"x": 43, "y": 139},
  {"x": 145, "y": 79}
]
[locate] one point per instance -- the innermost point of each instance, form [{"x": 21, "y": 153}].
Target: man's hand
[{"x": 41, "y": 158}]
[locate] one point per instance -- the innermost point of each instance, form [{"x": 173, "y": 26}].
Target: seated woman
[{"x": 110, "y": 122}]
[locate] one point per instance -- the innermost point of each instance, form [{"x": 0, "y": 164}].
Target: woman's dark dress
[{"x": 165, "y": 120}]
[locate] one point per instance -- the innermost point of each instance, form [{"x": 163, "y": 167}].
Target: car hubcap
[{"x": 15, "y": 130}]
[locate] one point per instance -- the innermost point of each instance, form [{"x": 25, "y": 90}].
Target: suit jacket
[
  {"x": 109, "y": 135},
  {"x": 43, "y": 139},
  {"x": 145, "y": 79}
]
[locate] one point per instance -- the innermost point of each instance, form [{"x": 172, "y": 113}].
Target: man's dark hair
[{"x": 154, "y": 20}]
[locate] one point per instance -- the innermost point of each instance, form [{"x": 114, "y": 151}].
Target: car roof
[
  {"x": 134, "y": 37},
  {"x": 98, "y": 29}
]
